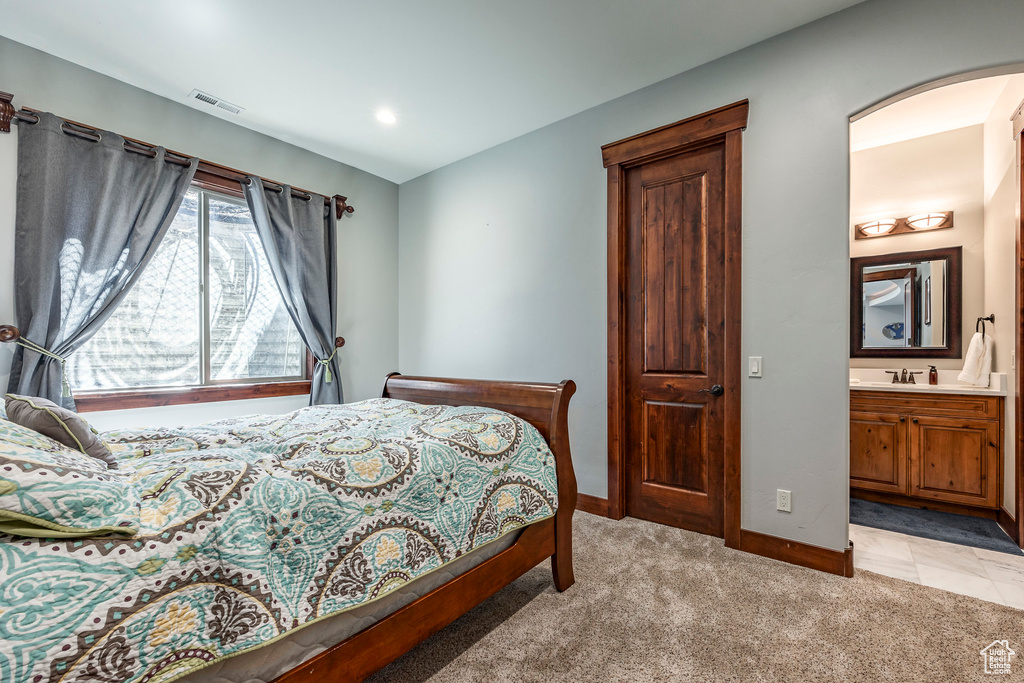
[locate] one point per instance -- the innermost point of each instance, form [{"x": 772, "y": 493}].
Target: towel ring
[{"x": 981, "y": 323}]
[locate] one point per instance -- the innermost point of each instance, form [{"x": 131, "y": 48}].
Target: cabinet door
[
  {"x": 955, "y": 460},
  {"x": 878, "y": 453}
]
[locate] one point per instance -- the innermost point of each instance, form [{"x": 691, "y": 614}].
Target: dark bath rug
[{"x": 976, "y": 532}]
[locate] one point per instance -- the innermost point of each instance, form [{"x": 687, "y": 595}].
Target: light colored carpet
[{"x": 652, "y": 603}]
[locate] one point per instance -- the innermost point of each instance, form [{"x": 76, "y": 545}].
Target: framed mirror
[{"x": 906, "y": 304}]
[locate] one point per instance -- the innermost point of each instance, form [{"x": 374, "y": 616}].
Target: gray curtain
[
  {"x": 89, "y": 218},
  {"x": 299, "y": 237}
]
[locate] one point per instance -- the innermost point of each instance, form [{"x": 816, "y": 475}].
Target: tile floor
[{"x": 985, "y": 574}]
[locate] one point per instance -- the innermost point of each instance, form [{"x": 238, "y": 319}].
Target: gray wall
[
  {"x": 502, "y": 255},
  {"x": 368, "y": 239}
]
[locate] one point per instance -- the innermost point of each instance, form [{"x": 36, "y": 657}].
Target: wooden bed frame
[{"x": 546, "y": 407}]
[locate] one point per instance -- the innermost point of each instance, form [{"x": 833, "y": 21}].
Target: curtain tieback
[
  {"x": 326, "y": 362},
  {"x": 32, "y": 346}
]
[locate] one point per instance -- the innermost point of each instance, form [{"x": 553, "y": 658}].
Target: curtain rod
[{"x": 30, "y": 116}]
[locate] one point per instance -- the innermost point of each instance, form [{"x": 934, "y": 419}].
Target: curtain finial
[
  {"x": 342, "y": 206},
  {"x": 6, "y": 111}
]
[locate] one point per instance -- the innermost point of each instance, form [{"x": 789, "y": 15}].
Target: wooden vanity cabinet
[
  {"x": 928, "y": 447},
  {"x": 878, "y": 451},
  {"x": 955, "y": 460}
]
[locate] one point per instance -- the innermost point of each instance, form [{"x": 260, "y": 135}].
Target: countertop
[{"x": 876, "y": 379}]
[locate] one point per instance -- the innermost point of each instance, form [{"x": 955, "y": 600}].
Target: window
[{"x": 206, "y": 311}]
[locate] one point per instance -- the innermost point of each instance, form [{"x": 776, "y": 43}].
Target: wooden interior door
[
  {"x": 955, "y": 460},
  {"x": 878, "y": 452},
  {"x": 675, "y": 339}
]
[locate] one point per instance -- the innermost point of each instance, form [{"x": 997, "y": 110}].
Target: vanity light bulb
[
  {"x": 926, "y": 220},
  {"x": 386, "y": 116}
]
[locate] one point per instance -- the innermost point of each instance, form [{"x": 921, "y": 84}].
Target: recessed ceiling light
[{"x": 386, "y": 116}]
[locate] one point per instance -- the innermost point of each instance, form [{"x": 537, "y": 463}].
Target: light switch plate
[{"x": 755, "y": 367}]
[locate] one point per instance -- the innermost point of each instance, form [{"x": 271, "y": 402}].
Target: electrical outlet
[{"x": 784, "y": 500}]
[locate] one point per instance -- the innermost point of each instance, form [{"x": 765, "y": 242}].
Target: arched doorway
[{"x": 934, "y": 240}]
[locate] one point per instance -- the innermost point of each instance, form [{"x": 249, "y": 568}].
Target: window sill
[{"x": 175, "y": 396}]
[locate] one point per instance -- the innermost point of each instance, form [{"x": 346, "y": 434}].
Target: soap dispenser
[{"x": 933, "y": 375}]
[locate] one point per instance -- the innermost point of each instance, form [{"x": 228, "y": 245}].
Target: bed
[{"x": 337, "y": 537}]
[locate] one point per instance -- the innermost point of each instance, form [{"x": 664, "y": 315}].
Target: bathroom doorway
[{"x": 934, "y": 387}]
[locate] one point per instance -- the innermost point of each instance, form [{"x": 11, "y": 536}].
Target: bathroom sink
[
  {"x": 929, "y": 387},
  {"x": 919, "y": 385}
]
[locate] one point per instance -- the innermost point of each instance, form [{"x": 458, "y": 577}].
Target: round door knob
[{"x": 715, "y": 390}]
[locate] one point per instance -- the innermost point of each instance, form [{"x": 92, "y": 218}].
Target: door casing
[
  {"x": 1015, "y": 527},
  {"x": 720, "y": 125}
]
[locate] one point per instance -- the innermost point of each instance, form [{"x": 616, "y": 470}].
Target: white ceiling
[
  {"x": 950, "y": 107},
  {"x": 461, "y": 75}
]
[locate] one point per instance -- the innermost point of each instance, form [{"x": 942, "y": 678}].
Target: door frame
[
  {"x": 720, "y": 125},
  {"x": 1015, "y": 527}
]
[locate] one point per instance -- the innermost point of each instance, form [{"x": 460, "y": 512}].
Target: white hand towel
[{"x": 978, "y": 362}]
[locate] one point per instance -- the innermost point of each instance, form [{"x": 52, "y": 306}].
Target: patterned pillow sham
[{"x": 48, "y": 490}]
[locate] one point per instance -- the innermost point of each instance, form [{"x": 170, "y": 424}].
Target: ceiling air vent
[{"x": 214, "y": 101}]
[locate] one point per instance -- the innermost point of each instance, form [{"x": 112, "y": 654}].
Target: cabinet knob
[
  {"x": 903, "y": 419},
  {"x": 915, "y": 420}
]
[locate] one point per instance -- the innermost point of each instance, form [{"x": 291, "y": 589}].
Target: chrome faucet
[{"x": 905, "y": 376}]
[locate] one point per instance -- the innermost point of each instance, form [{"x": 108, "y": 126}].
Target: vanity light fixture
[
  {"x": 921, "y": 222},
  {"x": 386, "y": 116}
]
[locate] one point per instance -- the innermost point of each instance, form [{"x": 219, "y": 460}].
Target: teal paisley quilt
[
  {"x": 253, "y": 527},
  {"x": 48, "y": 489}
]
